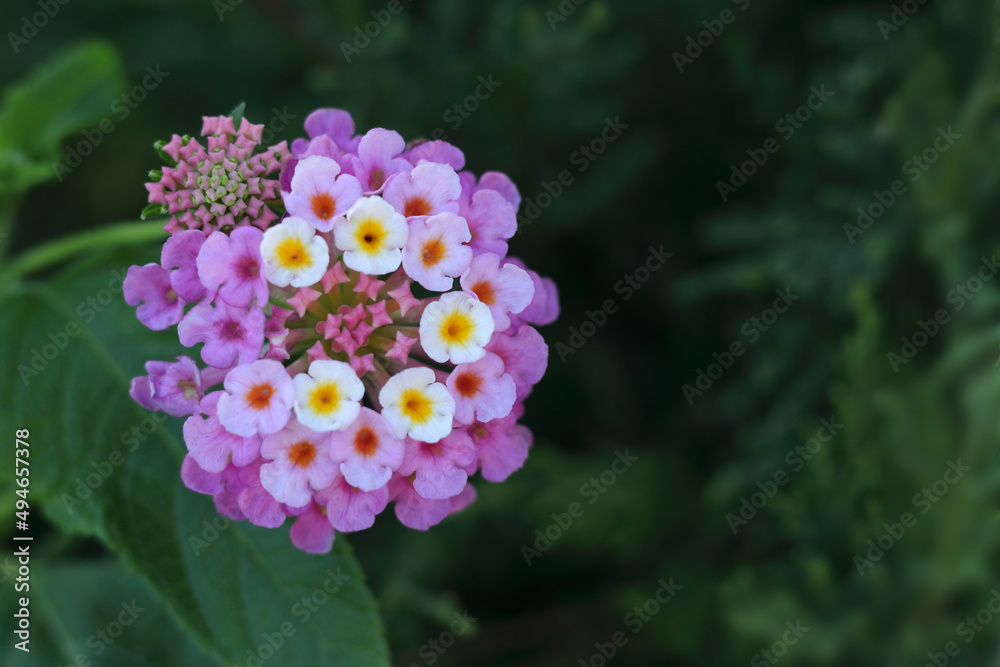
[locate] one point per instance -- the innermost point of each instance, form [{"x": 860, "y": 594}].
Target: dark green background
[{"x": 654, "y": 185}]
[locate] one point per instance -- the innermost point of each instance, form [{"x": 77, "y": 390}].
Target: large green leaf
[
  {"x": 100, "y": 611},
  {"x": 247, "y": 582},
  {"x": 74, "y": 91}
]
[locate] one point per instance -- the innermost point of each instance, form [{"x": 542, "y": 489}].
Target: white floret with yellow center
[
  {"x": 414, "y": 405},
  {"x": 371, "y": 236},
  {"x": 293, "y": 254},
  {"x": 328, "y": 397},
  {"x": 456, "y": 328}
]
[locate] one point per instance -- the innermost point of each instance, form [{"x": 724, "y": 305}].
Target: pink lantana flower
[
  {"x": 213, "y": 446},
  {"x": 299, "y": 463},
  {"x": 427, "y": 190},
  {"x": 482, "y": 390},
  {"x": 438, "y": 467},
  {"x": 348, "y": 508},
  {"x": 258, "y": 398},
  {"x": 377, "y": 159},
  {"x": 504, "y": 289},
  {"x": 149, "y": 288},
  {"x": 320, "y": 193},
  {"x": 367, "y": 452},
  {"x": 231, "y": 335},
  {"x": 230, "y": 267},
  {"x": 435, "y": 252},
  {"x": 366, "y": 336}
]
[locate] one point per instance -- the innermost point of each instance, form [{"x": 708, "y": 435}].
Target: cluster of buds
[{"x": 365, "y": 337}]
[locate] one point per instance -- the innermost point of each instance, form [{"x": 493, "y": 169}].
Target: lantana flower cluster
[{"x": 365, "y": 338}]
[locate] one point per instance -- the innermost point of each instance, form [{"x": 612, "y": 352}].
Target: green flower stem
[{"x": 40, "y": 257}]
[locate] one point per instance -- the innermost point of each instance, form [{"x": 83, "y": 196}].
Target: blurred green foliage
[{"x": 668, "y": 516}]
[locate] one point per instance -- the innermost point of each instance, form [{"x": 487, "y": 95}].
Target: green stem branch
[{"x": 40, "y": 257}]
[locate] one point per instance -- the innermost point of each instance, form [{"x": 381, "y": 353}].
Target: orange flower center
[
  {"x": 484, "y": 290},
  {"x": 259, "y": 396},
  {"x": 416, "y": 206},
  {"x": 323, "y": 206},
  {"x": 433, "y": 252},
  {"x": 468, "y": 384},
  {"x": 365, "y": 442},
  {"x": 302, "y": 454}
]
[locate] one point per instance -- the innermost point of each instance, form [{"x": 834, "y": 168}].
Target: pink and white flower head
[{"x": 370, "y": 336}]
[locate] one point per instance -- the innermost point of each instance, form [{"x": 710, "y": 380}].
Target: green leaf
[
  {"x": 73, "y": 91},
  {"x": 153, "y": 211},
  {"x": 72, "y": 603},
  {"x": 237, "y": 114},
  {"x": 108, "y": 468}
]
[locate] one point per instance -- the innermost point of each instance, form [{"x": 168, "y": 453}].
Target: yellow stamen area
[
  {"x": 324, "y": 398},
  {"x": 416, "y": 406},
  {"x": 302, "y": 454},
  {"x": 292, "y": 254},
  {"x": 189, "y": 388},
  {"x": 457, "y": 328},
  {"x": 369, "y": 235}
]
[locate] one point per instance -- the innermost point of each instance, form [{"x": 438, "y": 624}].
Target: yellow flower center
[
  {"x": 416, "y": 406},
  {"x": 457, "y": 328},
  {"x": 292, "y": 254},
  {"x": 324, "y": 398}
]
